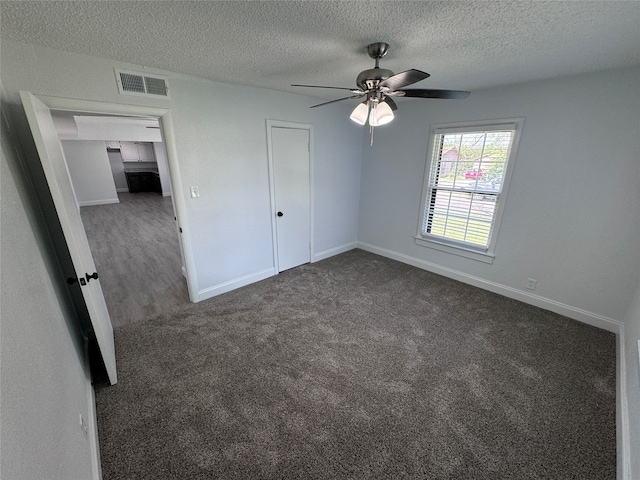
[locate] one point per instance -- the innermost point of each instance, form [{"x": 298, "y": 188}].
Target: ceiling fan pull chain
[{"x": 371, "y": 127}]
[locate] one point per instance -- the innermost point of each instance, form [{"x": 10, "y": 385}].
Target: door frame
[
  {"x": 168, "y": 137},
  {"x": 272, "y": 193}
]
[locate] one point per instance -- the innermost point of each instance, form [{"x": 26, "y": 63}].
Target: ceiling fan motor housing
[
  {"x": 369, "y": 79},
  {"x": 380, "y": 84}
]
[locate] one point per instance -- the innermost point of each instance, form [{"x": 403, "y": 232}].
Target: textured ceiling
[{"x": 463, "y": 45}]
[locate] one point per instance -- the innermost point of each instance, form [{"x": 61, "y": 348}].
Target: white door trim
[
  {"x": 272, "y": 194},
  {"x": 167, "y": 132}
]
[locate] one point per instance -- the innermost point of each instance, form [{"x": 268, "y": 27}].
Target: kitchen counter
[{"x": 143, "y": 170}]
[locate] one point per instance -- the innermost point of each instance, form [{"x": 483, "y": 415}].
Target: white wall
[
  {"x": 220, "y": 133},
  {"x": 572, "y": 218},
  {"x": 224, "y": 153},
  {"x": 43, "y": 383},
  {"x": 572, "y": 215},
  {"x": 90, "y": 172}
]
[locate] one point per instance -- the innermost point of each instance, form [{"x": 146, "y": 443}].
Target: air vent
[{"x": 133, "y": 83}]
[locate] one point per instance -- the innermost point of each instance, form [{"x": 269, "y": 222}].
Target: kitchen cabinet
[
  {"x": 145, "y": 152},
  {"x": 143, "y": 181},
  {"x": 137, "y": 152},
  {"x": 129, "y": 152}
]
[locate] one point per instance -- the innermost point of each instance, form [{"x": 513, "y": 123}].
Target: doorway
[
  {"x": 38, "y": 110},
  {"x": 127, "y": 211},
  {"x": 291, "y": 184}
]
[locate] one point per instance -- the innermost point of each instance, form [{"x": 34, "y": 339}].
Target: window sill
[{"x": 455, "y": 250}]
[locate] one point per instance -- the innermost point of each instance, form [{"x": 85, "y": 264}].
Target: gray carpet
[{"x": 360, "y": 367}]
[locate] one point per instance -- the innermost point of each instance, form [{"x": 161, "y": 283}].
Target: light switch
[{"x": 195, "y": 193}]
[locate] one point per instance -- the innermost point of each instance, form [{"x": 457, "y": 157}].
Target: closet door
[{"x": 291, "y": 177}]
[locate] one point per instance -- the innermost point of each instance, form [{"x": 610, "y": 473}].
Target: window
[{"x": 465, "y": 186}]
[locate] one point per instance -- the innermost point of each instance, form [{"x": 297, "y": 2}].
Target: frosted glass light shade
[
  {"x": 381, "y": 115},
  {"x": 359, "y": 114}
]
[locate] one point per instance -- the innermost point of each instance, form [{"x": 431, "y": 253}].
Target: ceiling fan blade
[
  {"x": 426, "y": 93},
  {"x": 321, "y": 86},
  {"x": 334, "y": 101},
  {"x": 391, "y": 103},
  {"x": 403, "y": 79}
]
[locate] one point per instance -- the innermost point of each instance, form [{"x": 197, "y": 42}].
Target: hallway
[{"x": 137, "y": 254}]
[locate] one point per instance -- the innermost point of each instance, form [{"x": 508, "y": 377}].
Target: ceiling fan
[{"x": 379, "y": 85}]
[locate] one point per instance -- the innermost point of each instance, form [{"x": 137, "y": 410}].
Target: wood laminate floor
[{"x": 136, "y": 251}]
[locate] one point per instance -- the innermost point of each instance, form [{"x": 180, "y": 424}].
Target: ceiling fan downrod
[{"x": 369, "y": 79}]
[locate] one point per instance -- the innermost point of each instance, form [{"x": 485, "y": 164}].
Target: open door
[{"x": 56, "y": 173}]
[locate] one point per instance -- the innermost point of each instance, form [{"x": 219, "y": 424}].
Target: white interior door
[
  {"x": 57, "y": 175},
  {"x": 291, "y": 175}
]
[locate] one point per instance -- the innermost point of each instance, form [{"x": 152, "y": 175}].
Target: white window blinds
[{"x": 465, "y": 183}]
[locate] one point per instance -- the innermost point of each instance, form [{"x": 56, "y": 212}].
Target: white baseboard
[
  {"x": 122, "y": 190},
  {"x": 269, "y": 272},
  {"x": 166, "y": 194},
  {"x": 106, "y": 201},
  {"x": 334, "y": 251},
  {"x": 92, "y": 420},
  {"x": 96, "y": 466},
  {"x": 622, "y": 411},
  {"x": 583, "y": 316},
  {"x": 590, "y": 318},
  {"x": 236, "y": 283}
]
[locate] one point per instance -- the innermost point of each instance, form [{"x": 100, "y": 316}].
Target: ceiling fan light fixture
[
  {"x": 380, "y": 85},
  {"x": 360, "y": 113},
  {"x": 380, "y": 115}
]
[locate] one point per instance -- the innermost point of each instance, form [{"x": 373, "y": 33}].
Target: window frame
[{"x": 480, "y": 253}]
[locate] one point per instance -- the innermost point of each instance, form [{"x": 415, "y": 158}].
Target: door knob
[
  {"x": 280, "y": 214},
  {"x": 81, "y": 280}
]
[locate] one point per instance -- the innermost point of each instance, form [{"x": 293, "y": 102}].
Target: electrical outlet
[
  {"x": 195, "y": 192},
  {"x": 531, "y": 283},
  {"x": 83, "y": 427}
]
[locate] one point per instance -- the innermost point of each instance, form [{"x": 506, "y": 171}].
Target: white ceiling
[{"x": 464, "y": 45}]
